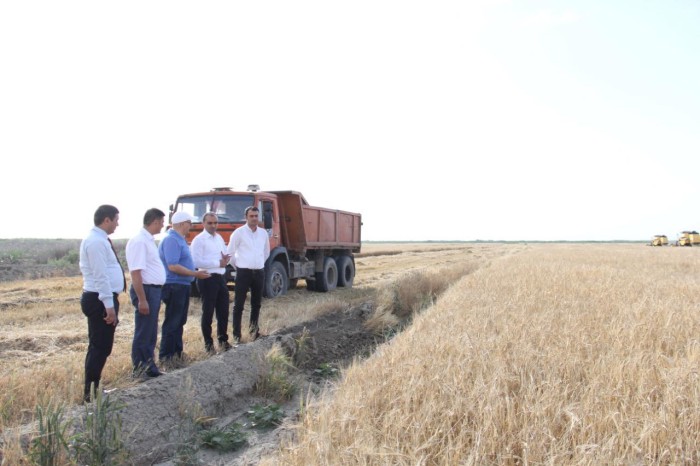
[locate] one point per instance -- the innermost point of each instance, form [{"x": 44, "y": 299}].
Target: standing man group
[
  {"x": 147, "y": 279},
  {"x": 209, "y": 254},
  {"x": 165, "y": 273},
  {"x": 103, "y": 280},
  {"x": 249, "y": 248}
]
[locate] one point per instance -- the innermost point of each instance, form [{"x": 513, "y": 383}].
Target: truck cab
[{"x": 229, "y": 206}]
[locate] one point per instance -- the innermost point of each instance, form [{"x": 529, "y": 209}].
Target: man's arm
[
  {"x": 197, "y": 250},
  {"x": 231, "y": 250},
  {"x": 267, "y": 246},
  {"x": 182, "y": 270},
  {"x": 137, "y": 283},
  {"x": 97, "y": 261}
]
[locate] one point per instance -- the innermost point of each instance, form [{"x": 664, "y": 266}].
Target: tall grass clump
[
  {"x": 563, "y": 354},
  {"x": 50, "y": 446},
  {"x": 277, "y": 381},
  {"x": 100, "y": 440},
  {"x": 400, "y": 300}
]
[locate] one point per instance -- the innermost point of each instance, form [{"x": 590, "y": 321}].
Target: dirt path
[{"x": 332, "y": 341}]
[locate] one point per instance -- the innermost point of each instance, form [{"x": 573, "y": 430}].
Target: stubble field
[{"x": 542, "y": 353}]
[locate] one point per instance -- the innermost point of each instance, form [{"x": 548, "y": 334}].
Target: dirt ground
[
  {"x": 221, "y": 387},
  {"x": 334, "y": 340}
]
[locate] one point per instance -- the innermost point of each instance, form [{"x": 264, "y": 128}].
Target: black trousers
[
  {"x": 214, "y": 294},
  {"x": 100, "y": 337},
  {"x": 253, "y": 280}
]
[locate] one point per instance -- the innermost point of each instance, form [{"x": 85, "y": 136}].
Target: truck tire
[
  {"x": 346, "y": 271},
  {"x": 276, "y": 281},
  {"x": 327, "y": 280}
]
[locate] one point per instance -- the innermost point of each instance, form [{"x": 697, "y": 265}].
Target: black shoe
[
  {"x": 153, "y": 374},
  {"x": 209, "y": 348},
  {"x": 225, "y": 346}
]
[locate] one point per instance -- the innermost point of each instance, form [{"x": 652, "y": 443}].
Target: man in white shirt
[
  {"x": 103, "y": 280},
  {"x": 249, "y": 248},
  {"x": 209, "y": 253},
  {"x": 147, "y": 279}
]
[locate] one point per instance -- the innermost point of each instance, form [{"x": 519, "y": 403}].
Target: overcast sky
[{"x": 436, "y": 120}]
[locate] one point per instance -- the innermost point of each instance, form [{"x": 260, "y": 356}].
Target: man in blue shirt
[
  {"x": 103, "y": 280},
  {"x": 179, "y": 274}
]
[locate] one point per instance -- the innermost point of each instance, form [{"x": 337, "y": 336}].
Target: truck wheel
[
  {"x": 346, "y": 271},
  {"x": 328, "y": 279},
  {"x": 276, "y": 281}
]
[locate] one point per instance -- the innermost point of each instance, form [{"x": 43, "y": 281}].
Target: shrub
[
  {"x": 265, "y": 416},
  {"x": 276, "y": 381},
  {"x": 229, "y": 439}
]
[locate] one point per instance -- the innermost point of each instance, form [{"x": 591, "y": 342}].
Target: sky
[{"x": 440, "y": 120}]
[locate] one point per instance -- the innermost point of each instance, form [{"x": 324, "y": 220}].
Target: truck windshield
[{"x": 227, "y": 208}]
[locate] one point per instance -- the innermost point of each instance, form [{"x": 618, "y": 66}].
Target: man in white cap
[{"x": 179, "y": 274}]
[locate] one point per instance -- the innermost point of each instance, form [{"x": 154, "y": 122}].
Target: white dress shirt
[
  {"x": 101, "y": 271},
  {"x": 249, "y": 249},
  {"x": 206, "y": 252},
  {"x": 142, "y": 254}
]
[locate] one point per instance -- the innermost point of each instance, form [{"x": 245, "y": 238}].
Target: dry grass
[
  {"x": 564, "y": 354},
  {"x": 43, "y": 334}
]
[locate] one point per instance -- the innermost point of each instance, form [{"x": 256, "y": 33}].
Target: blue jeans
[
  {"x": 177, "y": 303},
  {"x": 145, "y": 330}
]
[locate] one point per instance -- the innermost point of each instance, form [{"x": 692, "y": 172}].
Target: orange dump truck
[{"x": 311, "y": 243}]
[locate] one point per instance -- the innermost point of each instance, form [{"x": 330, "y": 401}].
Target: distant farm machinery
[{"x": 685, "y": 238}]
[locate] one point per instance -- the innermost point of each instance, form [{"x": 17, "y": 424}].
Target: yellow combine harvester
[
  {"x": 659, "y": 240},
  {"x": 688, "y": 238}
]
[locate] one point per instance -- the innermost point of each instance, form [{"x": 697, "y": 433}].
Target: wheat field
[
  {"x": 560, "y": 354},
  {"x": 542, "y": 354}
]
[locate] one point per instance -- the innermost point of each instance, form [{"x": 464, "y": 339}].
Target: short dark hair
[
  {"x": 249, "y": 208},
  {"x": 208, "y": 214},
  {"x": 105, "y": 211},
  {"x": 151, "y": 215}
]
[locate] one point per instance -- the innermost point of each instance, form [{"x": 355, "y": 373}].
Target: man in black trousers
[
  {"x": 249, "y": 248},
  {"x": 209, "y": 253},
  {"x": 103, "y": 280}
]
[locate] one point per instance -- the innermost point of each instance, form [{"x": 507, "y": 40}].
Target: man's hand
[
  {"x": 201, "y": 274},
  {"x": 224, "y": 259},
  {"x": 144, "y": 310},
  {"x": 111, "y": 317}
]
